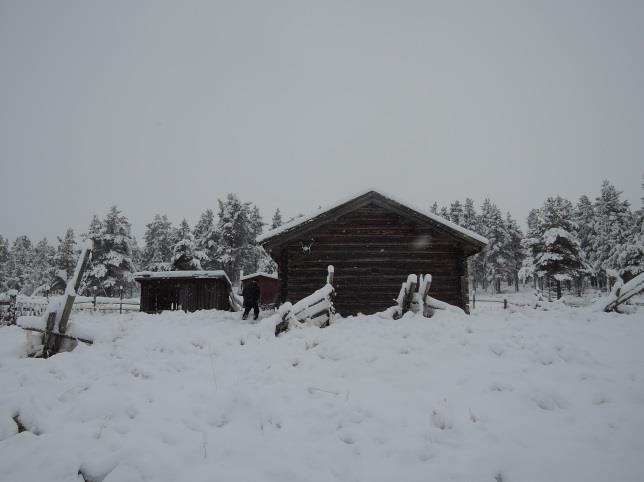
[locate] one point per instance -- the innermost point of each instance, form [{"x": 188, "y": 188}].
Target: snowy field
[{"x": 516, "y": 395}]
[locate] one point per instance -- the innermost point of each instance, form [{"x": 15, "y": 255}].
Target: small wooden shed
[
  {"x": 269, "y": 286},
  {"x": 374, "y": 242},
  {"x": 184, "y": 290}
]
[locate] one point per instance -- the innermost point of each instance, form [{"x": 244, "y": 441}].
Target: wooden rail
[
  {"x": 316, "y": 308},
  {"x": 37, "y": 308},
  {"x": 474, "y": 300}
]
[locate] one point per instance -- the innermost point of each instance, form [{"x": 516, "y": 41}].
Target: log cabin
[{"x": 374, "y": 242}]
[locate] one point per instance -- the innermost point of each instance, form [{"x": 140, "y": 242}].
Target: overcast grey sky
[{"x": 166, "y": 106}]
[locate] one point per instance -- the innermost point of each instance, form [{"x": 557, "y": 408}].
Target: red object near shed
[{"x": 269, "y": 286}]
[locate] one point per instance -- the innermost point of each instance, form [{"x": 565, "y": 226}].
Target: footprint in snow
[
  {"x": 498, "y": 350},
  {"x": 424, "y": 455},
  {"x": 545, "y": 358},
  {"x": 219, "y": 421},
  {"x": 601, "y": 399},
  {"x": 348, "y": 438},
  {"x": 440, "y": 419},
  {"x": 548, "y": 402},
  {"x": 501, "y": 387}
]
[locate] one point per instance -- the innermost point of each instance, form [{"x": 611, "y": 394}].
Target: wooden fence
[
  {"x": 473, "y": 300},
  {"x": 26, "y": 306}
]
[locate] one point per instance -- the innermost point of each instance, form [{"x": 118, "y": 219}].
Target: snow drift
[{"x": 512, "y": 396}]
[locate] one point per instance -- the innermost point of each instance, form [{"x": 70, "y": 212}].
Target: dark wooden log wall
[
  {"x": 186, "y": 294},
  {"x": 373, "y": 250}
]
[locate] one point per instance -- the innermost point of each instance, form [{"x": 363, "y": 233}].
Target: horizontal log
[
  {"x": 371, "y": 236},
  {"x": 367, "y": 291},
  {"x": 69, "y": 337},
  {"x": 367, "y": 262},
  {"x": 366, "y": 285}
]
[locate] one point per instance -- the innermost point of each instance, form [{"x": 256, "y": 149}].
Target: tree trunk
[{"x": 558, "y": 289}]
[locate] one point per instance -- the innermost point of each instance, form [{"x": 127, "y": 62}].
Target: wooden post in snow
[{"x": 68, "y": 303}]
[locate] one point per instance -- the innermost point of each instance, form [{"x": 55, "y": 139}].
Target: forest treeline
[{"x": 566, "y": 246}]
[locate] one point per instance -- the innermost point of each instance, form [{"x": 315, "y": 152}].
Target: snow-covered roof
[
  {"x": 259, "y": 273},
  {"x": 217, "y": 274},
  {"x": 298, "y": 222}
]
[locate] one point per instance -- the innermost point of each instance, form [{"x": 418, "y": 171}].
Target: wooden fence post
[
  {"x": 329, "y": 277},
  {"x": 121, "y": 302},
  {"x": 94, "y": 290},
  {"x": 474, "y": 299},
  {"x": 70, "y": 295},
  {"x": 505, "y": 303}
]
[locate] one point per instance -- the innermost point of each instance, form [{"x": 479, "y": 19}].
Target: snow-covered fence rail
[
  {"x": 621, "y": 294},
  {"x": 26, "y": 306},
  {"x": 474, "y": 300},
  {"x": 316, "y": 309}
]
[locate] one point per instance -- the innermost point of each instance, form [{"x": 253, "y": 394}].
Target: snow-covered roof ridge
[
  {"x": 259, "y": 273},
  {"x": 217, "y": 274},
  {"x": 323, "y": 210}
]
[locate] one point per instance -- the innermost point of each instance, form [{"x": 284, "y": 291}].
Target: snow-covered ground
[{"x": 516, "y": 395}]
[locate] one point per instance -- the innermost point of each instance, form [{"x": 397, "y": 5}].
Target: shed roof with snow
[
  {"x": 374, "y": 241},
  {"x": 259, "y": 274}
]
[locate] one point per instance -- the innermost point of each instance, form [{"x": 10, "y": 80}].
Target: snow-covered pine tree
[
  {"x": 185, "y": 255},
  {"x": 137, "y": 255},
  {"x": 111, "y": 265},
  {"x": 628, "y": 257},
  {"x": 64, "y": 261},
  {"x": 470, "y": 218},
  {"x": 204, "y": 225},
  {"x": 613, "y": 222},
  {"x": 532, "y": 237},
  {"x": 95, "y": 229},
  {"x": 257, "y": 260},
  {"x": 434, "y": 208},
  {"x": 160, "y": 237},
  {"x": 471, "y": 221},
  {"x": 514, "y": 249},
  {"x": 554, "y": 247},
  {"x": 41, "y": 267},
  {"x": 256, "y": 224},
  {"x": 4, "y": 258},
  {"x": 276, "y": 222},
  {"x": 233, "y": 248},
  {"x": 494, "y": 262},
  {"x": 207, "y": 239},
  {"x": 19, "y": 264},
  {"x": 584, "y": 218},
  {"x": 456, "y": 212},
  {"x": 443, "y": 212}
]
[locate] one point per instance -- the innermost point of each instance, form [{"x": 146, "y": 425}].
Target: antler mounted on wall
[{"x": 306, "y": 248}]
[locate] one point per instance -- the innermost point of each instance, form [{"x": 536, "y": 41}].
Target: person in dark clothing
[{"x": 251, "y": 294}]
